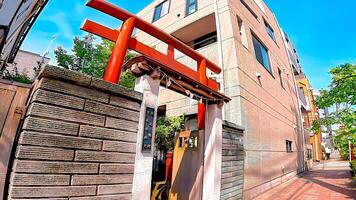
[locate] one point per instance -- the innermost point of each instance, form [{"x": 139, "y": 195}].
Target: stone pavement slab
[{"x": 330, "y": 180}]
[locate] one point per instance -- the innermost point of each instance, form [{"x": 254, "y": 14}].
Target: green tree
[
  {"x": 91, "y": 58},
  {"x": 341, "y": 95},
  {"x": 166, "y": 127}
]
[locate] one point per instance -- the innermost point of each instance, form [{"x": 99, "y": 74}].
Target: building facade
[
  {"x": 27, "y": 64},
  {"x": 311, "y": 115},
  {"x": 244, "y": 38},
  {"x": 303, "y": 101}
]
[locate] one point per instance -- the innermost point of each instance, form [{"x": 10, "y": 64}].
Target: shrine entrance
[{"x": 154, "y": 69}]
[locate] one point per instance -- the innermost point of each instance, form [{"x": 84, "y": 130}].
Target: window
[
  {"x": 280, "y": 77},
  {"x": 270, "y": 31},
  {"x": 242, "y": 32},
  {"x": 161, "y": 10},
  {"x": 192, "y": 7},
  {"x": 261, "y": 54},
  {"x": 288, "y": 146},
  {"x": 287, "y": 39},
  {"x": 310, "y": 155},
  {"x": 249, "y": 9},
  {"x": 205, "y": 40}
]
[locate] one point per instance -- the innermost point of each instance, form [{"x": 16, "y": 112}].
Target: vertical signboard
[{"x": 148, "y": 129}]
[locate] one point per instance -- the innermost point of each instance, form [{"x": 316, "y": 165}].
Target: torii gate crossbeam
[{"x": 123, "y": 41}]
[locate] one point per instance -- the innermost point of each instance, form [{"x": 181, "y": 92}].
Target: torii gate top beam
[
  {"x": 123, "y": 40},
  {"x": 141, "y": 24}
]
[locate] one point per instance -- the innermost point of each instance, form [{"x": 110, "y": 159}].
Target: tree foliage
[
  {"x": 166, "y": 127},
  {"x": 341, "y": 95},
  {"x": 91, "y": 58}
]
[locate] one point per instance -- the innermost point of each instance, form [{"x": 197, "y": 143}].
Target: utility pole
[{"x": 38, "y": 68}]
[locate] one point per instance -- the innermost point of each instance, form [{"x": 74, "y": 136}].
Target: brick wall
[
  {"x": 232, "y": 162},
  {"x": 78, "y": 140}
]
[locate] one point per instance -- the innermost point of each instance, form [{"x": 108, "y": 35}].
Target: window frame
[
  {"x": 187, "y": 7},
  {"x": 254, "y": 37},
  {"x": 160, "y": 14},
  {"x": 289, "y": 146},
  {"x": 243, "y": 2},
  {"x": 242, "y": 32},
  {"x": 204, "y": 40},
  {"x": 309, "y": 154},
  {"x": 269, "y": 30},
  {"x": 281, "y": 78}
]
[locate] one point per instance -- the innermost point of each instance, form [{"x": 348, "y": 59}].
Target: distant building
[
  {"x": 25, "y": 63},
  {"x": 16, "y": 19},
  {"x": 311, "y": 115},
  {"x": 327, "y": 131}
]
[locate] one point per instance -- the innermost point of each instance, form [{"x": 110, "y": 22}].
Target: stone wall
[
  {"x": 78, "y": 141},
  {"x": 232, "y": 162}
]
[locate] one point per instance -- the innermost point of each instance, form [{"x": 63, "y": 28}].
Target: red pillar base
[{"x": 201, "y": 115}]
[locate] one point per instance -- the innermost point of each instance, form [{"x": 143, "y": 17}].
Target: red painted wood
[
  {"x": 117, "y": 57},
  {"x": 123, "y": 15},
  {"x": 201, "y": 115}
]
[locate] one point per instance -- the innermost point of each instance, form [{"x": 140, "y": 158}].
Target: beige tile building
[
  {"x": 25, "y": 63},
  {"x": 244, "y": 38}
]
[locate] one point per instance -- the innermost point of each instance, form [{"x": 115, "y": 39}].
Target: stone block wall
[
  {"x": 78, "y": 140},
  {"x": 233, "y": 157}
]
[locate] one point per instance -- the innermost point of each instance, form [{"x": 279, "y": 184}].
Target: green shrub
[
  {"x": 22, "y": 79},
  {"x": 353, "y": 168}
]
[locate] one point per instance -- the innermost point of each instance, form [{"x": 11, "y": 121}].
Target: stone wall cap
[
  {"x": 115, "y": 89},
  {"x": 232, "y": 125},
  {"x": 59, "y": 73},
  {"x": 78, "y": 78}
]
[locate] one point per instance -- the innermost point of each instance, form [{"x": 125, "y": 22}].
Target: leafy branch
[
  {"x": 166, "y": 129},
  {"x": 341, "y": 95},
  {"x": 91, "y": 58}
]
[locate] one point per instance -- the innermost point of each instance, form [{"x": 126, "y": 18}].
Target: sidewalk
[{"x": 330, "y": 180}]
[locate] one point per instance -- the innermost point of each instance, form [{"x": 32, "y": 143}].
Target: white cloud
[{"x": 60, "y": 20}]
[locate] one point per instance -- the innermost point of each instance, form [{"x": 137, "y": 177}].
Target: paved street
[{"x": 328, "y": 180}]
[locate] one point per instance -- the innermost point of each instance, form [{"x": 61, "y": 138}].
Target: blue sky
[
  {"x": 64, "y": 18},
  {"x": 323, "y": 31}
]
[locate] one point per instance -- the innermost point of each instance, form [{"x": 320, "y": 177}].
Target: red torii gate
[{"x": 124, "y": 41}]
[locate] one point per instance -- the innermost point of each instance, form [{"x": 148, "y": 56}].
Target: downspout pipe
[{"x": 220, "y": 53}]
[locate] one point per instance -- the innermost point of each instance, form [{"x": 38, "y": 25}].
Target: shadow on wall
[{"x": 187, "y": 181}]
